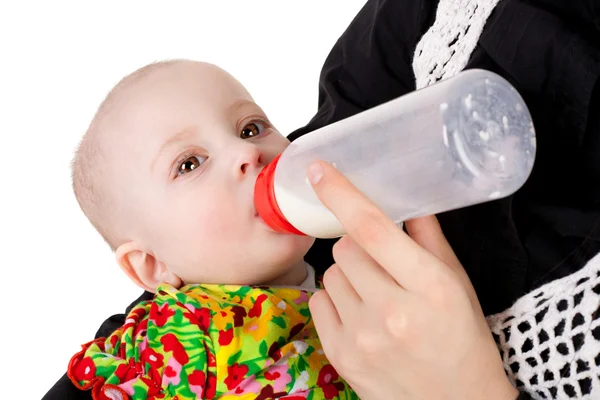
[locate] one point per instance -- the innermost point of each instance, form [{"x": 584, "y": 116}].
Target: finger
[
  {"x": 343, "y": 296},
  {"x": 327, "y": 321},
  {"x": 427, "y": 232},
  {"x": 372, "y": 283},
  {"x": 407, "y": 262}
]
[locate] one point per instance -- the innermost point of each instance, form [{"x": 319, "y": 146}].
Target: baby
[{"x": 166, "y": 174}]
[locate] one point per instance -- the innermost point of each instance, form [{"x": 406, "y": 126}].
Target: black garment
[{"x": 550, "y": 51}]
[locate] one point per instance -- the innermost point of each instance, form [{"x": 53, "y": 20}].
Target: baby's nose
[{"x": 250, "y": 159}]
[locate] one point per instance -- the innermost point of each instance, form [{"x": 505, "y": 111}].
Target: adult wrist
[{"x": 502, "y": 390}]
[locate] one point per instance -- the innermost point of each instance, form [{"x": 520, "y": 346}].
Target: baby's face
[{"x": 190, "y": 144}]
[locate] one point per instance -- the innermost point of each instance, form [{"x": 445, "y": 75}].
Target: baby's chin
[
  {"x": 294, "y": 246},
  {"x": 282, "y": 252},
  {"x": 254, "y": 262}
]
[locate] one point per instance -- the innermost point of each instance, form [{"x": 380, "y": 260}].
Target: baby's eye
[
  {"x": 190, "y": 164},
  {"x": 251, "y": 130}
]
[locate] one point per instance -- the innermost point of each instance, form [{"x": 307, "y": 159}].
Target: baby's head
[{"x": 166, "y": 174}]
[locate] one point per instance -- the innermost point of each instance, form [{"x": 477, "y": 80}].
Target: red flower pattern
[
  {"x": 200, "y": 317},
  {"x": 85, "y": 369},
  {"x": 235, "y": 375},
  {"x": 127, "y": 372},
  {"x": 170, "y": 343},
  {"x": 211, "y": 386},
  {"x": 152, "y": 357},
  {"x": 225, "y": 337},
  {"x": 149, "y": 371},
  {"x": 327, "y": 382},
  {"x": 256, "y": 309},
  {"x": 160, "y": 315}
]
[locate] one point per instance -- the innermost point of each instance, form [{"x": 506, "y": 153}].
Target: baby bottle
[{"x": 466, "y": 140}]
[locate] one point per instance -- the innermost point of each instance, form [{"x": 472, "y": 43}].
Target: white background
[{"x": 57, "y": 62}]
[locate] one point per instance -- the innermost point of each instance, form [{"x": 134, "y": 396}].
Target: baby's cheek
[
  {"x": 204, "y": 232},
  {"x": 194, "y": 239},
  {"x": 199, "y": 227},
  {"x": 218, "y": 222}
]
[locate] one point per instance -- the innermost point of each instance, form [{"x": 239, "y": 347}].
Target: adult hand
[{"x": 399, "y": 318}]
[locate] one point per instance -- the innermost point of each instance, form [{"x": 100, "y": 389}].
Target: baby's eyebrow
[
  {"x": 242, "y": 104},
  {"x": 178, "y": 137}
]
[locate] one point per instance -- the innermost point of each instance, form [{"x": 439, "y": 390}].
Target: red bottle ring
[{"x": 266, "y": 204}]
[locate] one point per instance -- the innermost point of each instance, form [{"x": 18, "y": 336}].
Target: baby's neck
[{"x": 294, "y": 277}]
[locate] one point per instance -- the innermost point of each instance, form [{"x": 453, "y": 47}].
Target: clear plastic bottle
[{"x": 463, "y": 141}]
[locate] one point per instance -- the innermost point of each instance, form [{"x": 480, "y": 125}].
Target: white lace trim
[
  {"x": 550, "y": 338},
  {"x": 447, "y": 46}
]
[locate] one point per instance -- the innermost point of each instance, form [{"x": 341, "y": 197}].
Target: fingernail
[{"x": 314, "y": 173}]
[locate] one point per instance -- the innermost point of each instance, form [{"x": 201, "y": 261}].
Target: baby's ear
[{"x": 143, "y": 268}]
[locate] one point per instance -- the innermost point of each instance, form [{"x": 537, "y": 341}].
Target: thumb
[{"x": 427, "y": 233}]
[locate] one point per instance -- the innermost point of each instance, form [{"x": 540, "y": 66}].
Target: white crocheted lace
[
  {"x": 447, "y": 46},
  {"x": 550, "y": 338}
]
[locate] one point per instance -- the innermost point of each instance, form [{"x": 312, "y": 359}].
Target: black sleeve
[
  {"x": 371, "y": 63},
  {"x": 582, "y": 15},
  {"x": 549, "y": 50},
  {"x": 64, "y": 389}
]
